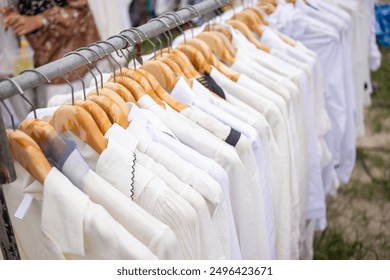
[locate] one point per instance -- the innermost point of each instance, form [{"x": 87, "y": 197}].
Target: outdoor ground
[{"x": 359, "y": 217}]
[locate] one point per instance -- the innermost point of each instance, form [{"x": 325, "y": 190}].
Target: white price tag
[{"x": 24, "y": 206}]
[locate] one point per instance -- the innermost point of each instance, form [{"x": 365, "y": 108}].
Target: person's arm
[
  {"x": 19, "y": 23},
  {"x": 58, "y": 21}
]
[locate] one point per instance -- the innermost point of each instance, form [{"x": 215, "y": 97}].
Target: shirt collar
[
  {"x": 137, "y": 114},
  {"x": 200, "y": 90},
  {"x": 271, "y": 39},
  {"x": 218, "y": 77},
  {"x": 117, "y": 166},
  {"x": 63, "y": 213},
  {"x": 241, "y": 58},
  {"x": 182, "y": 92},
  {"x": 144, "y": 140},
  {"x": 146, "y": 102},
  {"x": 120, "y": 135},
  {"x": 88, "y": 153},
  {"x": 144, "y": 118}
]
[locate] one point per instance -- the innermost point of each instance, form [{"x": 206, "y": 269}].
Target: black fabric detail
[
  {"x": 35, "y": 7},
  {"x": 311, "y": 6},
  {"x": 209, "y": 83},
  {"x": 132, "y": 177},
  {"x": 233, "y": 138}
]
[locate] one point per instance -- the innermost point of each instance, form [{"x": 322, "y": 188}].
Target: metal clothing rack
[{"x": 29, "y": 80}]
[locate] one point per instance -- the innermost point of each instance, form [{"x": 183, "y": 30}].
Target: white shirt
[
  {"x": 152, "y": 194},
  {"x": 63, "y": 223},
  {"x": 211, "y": 248},
  {"x": 251, "y": 153},
  {"x": 296, "y": 169},
  {"x": 222, "y": 131},
  {"x": 256, "y": 130},
  {"x": 347, "y": 155},
  {"x": 326, "y": 43},
  {"x": 308, "y": 134},
  {"x": 298, "y": 123},
  {"x": 157, "y": 236},
  {"x": 202, "y": 173},
  {"x": 120, "y": 168},
  {"x": 244, "y": 211},
  {"x": 278, "y": 125},
  {"x": 271, "y": 39}
]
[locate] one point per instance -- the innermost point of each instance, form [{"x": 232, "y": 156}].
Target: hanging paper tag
[{"x": 24, "y": 206}]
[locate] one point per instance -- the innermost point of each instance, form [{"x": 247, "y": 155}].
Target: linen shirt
[
  {"x": 326, "y": 43},
  {"x": 278, "y": 125},
  {"x": 198, "y": 96},
  {"x": 211, "y": 248},
  {"x": 347, "y": 146},
  {"x": 63, "y": 223},
  {"x": 222, "y": 131},
  {"x": 202, "y": 173},
  {"x": 152, "y": 194},
  {"x": 245, "y": 213},
  {"x": 310, "y": 151},
  {"x": 156, "y": 235},
  {"x": 120, "y": 168}
]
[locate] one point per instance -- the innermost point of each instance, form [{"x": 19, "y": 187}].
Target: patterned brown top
[{"x": 70, "y": 27}]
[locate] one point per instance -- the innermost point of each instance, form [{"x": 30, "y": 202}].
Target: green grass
[
  {"x": 332, "y": 245},
  {"x": 381, "y": 79}
]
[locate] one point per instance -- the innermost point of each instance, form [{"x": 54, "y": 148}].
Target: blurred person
[{"x": 53, "y": 28}]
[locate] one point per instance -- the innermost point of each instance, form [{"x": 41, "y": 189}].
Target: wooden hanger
[
  {"x": 248, "y": 34},
  {"x": 114, "y": 97},
  {"x": 171, "y": 64},
  {"x": 156, "y": 66},
  {"x": 121, "y": 90},
  {"x": 226, "y": 41},
  {"x": 163, "y": 74},
  {"x": 266, "y": 6},
  {"x": 112, "y": 109},
  {"x": 186, "y": 63},
  {"x": 81, "y": 123},
  {"x": 210, "y": 57},
  {"x": 28, "y": 154},
  {"x": 181, "y": 60},
  {"x": 196, "y": 57},
  {"x": 217, "y": 46},
  {"x": 256, "y": 12},
  {"x": 44, "y": 135},
  {"x": 174, "y": 67},
  {"x": 250, "y": 21},
  {"x": 221, "y": 29},
  {"x": 138, "y": 85},
  {"x": 97, "y": 113},
  {"x": 39, "y": 130},
  {"x": 152, "y": 82},
  {"x": 133, "y": 87}
]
